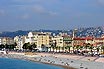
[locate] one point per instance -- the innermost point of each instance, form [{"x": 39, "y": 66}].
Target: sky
[{"x": 50, "y": 14}]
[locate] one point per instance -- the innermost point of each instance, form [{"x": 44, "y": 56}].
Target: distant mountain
[
  {"x": 20, "y": 32},
  {"x": 91, "y": 31},
  {"x": 81, "y": 32},
  {"x": 52, "y": 31},
  {"x": 13, "y": 34}
]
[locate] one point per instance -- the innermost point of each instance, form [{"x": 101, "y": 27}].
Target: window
[{"x": 60, "y": 42}]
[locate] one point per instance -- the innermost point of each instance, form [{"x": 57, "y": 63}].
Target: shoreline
[
  {"x": 31, "y": 60},
  {"x": 61, "y": 60}
]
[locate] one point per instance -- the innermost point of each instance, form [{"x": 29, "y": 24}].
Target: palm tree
[
  {"x": 62, "y": 49},
  {"x": 11, "y": 47},
  {"x": 2, "y": 46},
  {"x": 69, "y": 48},
  {"x": 47, "y": 49},
  {"x": 56, "y": 48},
  {"x": 50, "y": 49},
  {"x": 66, "y": 49},
  {"x": 73, "y": 48},
  {"x": 53, "y": 48},
  {"x": 26, "y": 46},
  {"x": 15, "y": 44},
  {"x": 97, "y": 49},
  {"x": 87, "y": 45},
  {"x": 59, "y": 48},
  {"x": 33, "y": 46},
  {"x": 77, "y": 47},
  {"x": 102, "y": 49},
  {"x": 91, "y": 47}
]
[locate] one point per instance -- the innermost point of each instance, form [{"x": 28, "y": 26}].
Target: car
[{"x": 101, "y": 55}]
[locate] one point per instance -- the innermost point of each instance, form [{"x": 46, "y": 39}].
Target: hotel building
[
  {"x": 39, "y": 38},
  {"x": 6, "y": 40},
  {"x": 20, "y": 40}
]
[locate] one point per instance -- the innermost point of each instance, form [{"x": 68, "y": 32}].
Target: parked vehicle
[{"x": 101, "y": 55}]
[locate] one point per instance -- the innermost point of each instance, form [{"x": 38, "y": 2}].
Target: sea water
[{"x": 6, "y": 63}]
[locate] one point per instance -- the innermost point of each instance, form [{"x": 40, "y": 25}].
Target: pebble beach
[{"x": 63, "y": 60}]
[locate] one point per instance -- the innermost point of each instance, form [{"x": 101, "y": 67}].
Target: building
[
  {"x": 80, "y": 41},
  {"x": 58, "y": 41},
  {"x": 20, "y": 40},
  {"x": 39, "y": 38},
  {"x": 67, "y": 41},
  {"x": 61, "y": 43},
  {"x": 91, "y": 40},
  {"x": 6, "y": 40},
  {"x": 99, "y": 41}
]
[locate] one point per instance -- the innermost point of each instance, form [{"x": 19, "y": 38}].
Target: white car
[{"x": 101, "y": 55}]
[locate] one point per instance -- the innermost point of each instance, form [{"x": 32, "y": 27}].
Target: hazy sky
[{"x": 50, "y": 14}]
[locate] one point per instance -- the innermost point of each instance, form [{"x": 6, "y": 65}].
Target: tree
[
  {"x": 69, "y": 48},
  {"x": 53, "y": 48},
  {"x": 73, "y": 48},
  {"x": 2, "y": 46},
  {"x": 15, "y": 44},
  {"x": 63, "y": 49},
  {"x": 77, "y": 47},
  {"x": 102, "y": 49},
  {"x": 87, "y": 45},
  {"x": 56, "y": 48},
  {"x": 97, "y": 49},
  {"x": 53, "y": 45},
  {"x": 12, "y": 46},
  {"x": 47, "y": 49},
  {"x": 66, "y": 49},
  {"x": 59, "y": 48},
  {"x": 33, "y": 46},
  {"x": 91, "y": 47},
  {"x": 6, "y": 46},
  {"x": 50, "y": 49},
  {"x": 26, "y": 46}
]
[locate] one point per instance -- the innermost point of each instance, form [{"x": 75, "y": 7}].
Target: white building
[
  {"x": 20, "y": 40},
  {"x": 6, "y": 40},
  {"x": 58, "y": 40},
  {"x": 39, "y": 38}
]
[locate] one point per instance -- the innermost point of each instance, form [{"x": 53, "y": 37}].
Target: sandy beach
[{"x": 63, "y": 60}]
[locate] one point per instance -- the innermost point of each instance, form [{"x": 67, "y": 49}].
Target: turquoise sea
[{"x": 6, "y": 63}]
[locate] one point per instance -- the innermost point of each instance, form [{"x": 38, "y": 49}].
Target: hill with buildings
[
  {"x": 91, "y": 31},
  {"x": 13, "y": 34},
  {"x": 80, "y": 32}
]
